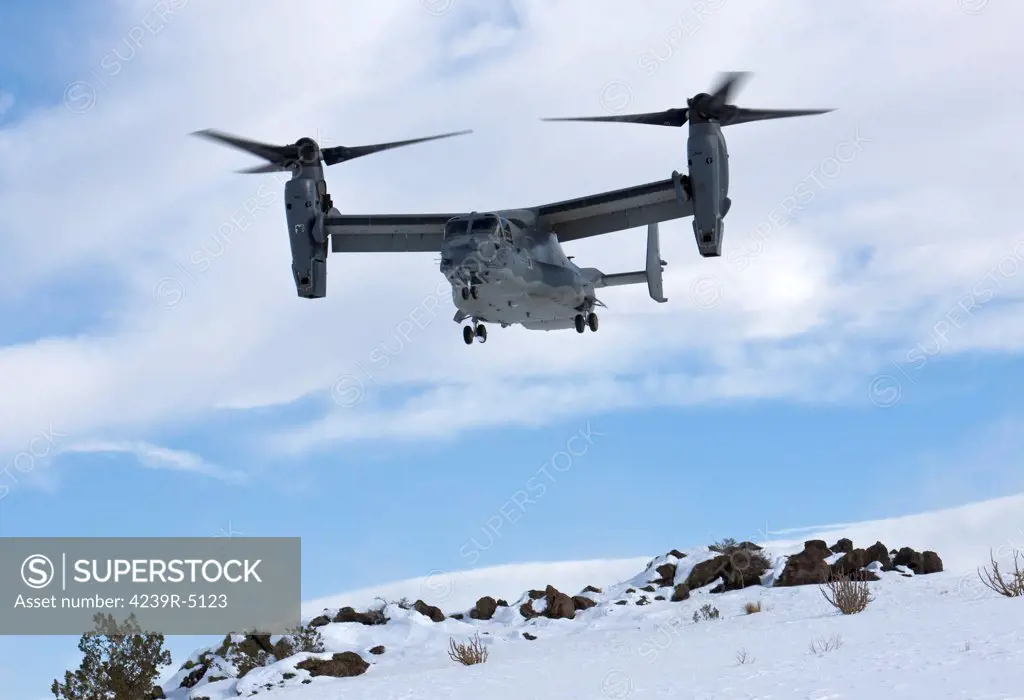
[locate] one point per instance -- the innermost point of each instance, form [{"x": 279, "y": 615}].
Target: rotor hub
[{"x": 308, "y": 151}]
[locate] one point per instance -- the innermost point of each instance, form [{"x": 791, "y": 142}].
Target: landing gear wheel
[
  {"x": 481, "y": 332},
  {"x": 465, "y": 293},
  {"x": 581, "y": 324},
  {"x": 473, "y": 293},
  {"x": 592, "y": 322},
  {"x": 467, "y": 334}
]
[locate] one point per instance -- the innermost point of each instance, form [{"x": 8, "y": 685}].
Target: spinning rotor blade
[
  {"x": 340, "y": 154},
  {"x": 265, "y": 151},
  {"x": 716, "y": 105},
  {"x": 305, "y": 150},
  {"x": 669, "y": 117},
  {"x": 743, "y": 115},
  {"x": 727, "y": 86}
]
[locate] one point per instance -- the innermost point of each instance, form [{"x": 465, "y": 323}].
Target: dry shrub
[
  {"x": 468, "y": 654},
  {"x": 743, "y": 658},
  {"x": 847, "y": 594},
  {"x": 1010, "y": 585},
  {"x": 706, "y": 612},
  {"x": 823, "y": 645},
  {"x": 752, "y": 607}
]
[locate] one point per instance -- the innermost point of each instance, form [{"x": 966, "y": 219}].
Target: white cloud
[
  {"x": 156, "y": 457},
  {"x": 931, "y": 195}
]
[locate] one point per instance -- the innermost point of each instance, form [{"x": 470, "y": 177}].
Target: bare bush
[
  {"x": 706, "y": 612},
  {"x": 743, "y": 658},
  {"x": 752, "y": 607},
  {"x": 376, "y": 615},
  {"x": 1011, "y": 584},
  {"x": 824, "y": 645},
  {"x": 468, "y": 654},
  {"x": 723, "y": 545},
  {"x": 847, "y": 594}
]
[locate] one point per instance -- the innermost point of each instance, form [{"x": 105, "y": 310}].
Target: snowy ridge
[{"x": 935, "y": 635}]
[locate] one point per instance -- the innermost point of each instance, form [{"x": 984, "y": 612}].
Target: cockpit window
[
  {"x": 458, "y": 227},
  {"x": 485, "y": 224}
]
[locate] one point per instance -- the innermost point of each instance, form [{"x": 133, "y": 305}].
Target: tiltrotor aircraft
[{"x": 508, "y": 267}]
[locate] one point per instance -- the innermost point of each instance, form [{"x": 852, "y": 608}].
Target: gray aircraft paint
[{"x": 516, "y": 272}]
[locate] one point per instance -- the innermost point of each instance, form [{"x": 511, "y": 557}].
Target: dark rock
[
  {"x": 919, "y": 562},
  {"x": 582, "y": 602},
  {"x": 377, "y": 650},
  {"x": 677, "y": 554},
  {"x": 157, "y": 693},
  {"x": 931, "y": 563},
  {"x": 844, "y": 545},
  {"x": 591, "y": 589},
  {"x": 620, "y": 602},
  {"x": 535, "y": 594},
  {"x": 559, "y": 605},
  {"x": 431, "y": 611},
  {"x": 808, "y": 566},
  {"x": 680, "y": 593},
  {"x": 348, "y": 614},
  {"x": 527, "y": 635},
  {"x": 320, "y": 621},
  {"x": 666, "y": 575},
  {"x": 630, "y": 590},
  {"x": 910, "y": 558},
  {"x": 737, "y": 567},
  {"x": 457, "y": 616},
  {"x": 502, "y": 603},
  {"x": 649, "y": 589},
  {"x": 484, "y": 608},
  {"x": 661, "y": 597},
  {"x": 880, "y": 553},
  {"x": 343, "y": 665}
]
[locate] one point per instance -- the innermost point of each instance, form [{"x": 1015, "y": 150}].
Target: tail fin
[
  {"x": 655, "y": 265},
  {"x": 652, "y": 275}
]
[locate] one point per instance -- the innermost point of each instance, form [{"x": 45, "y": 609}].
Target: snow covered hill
[{"x": 663, "y": 627}]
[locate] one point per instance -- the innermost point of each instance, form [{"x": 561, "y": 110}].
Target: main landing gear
[
  {"x": 469, "y": 333},
  {"x": 582, "y": 322}
]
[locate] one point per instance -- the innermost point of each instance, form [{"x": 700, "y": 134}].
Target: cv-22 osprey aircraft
[{"x": 508, "y": 267}]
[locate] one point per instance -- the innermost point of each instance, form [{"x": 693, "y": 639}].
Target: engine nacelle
[{"x": 308, "y": 236}]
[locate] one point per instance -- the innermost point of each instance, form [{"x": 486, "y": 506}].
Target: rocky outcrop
[
  {"x": 921, "y": 563},
  {"x": 807, "y": 566},
  {"x": 557, "y": 605},
  {"x": 738, "y": 566},
  {"x": 343, "y": 665},
  {"x": 431, "y": 611},
  {"x": 484, "y": 608}
]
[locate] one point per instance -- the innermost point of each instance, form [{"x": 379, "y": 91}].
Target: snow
[{"x": 939, "y": 635}]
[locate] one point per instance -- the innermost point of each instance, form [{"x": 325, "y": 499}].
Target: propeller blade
[
  {"x": 743, "y": 115},
  {"x": 265, "y": 151},
  {"x": 340, "y": 154},
  {"x": 268, "y": 168},
  {"x": 728, "y": 83},
  {"x": 668, "y": 117}
]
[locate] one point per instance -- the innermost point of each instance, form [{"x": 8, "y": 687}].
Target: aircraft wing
[
  {"x": 618, "y": 210},
  {"x": 386, "y": 233}
]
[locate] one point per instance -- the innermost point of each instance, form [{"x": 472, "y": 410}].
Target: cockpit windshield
[
  {"x": 484, "y": 225},
  {"x": 461, "y": 227},
  {"x": 455, "y": 227}
]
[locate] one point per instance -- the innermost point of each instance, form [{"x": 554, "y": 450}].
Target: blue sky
[{"x": 756, "y": 408}]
